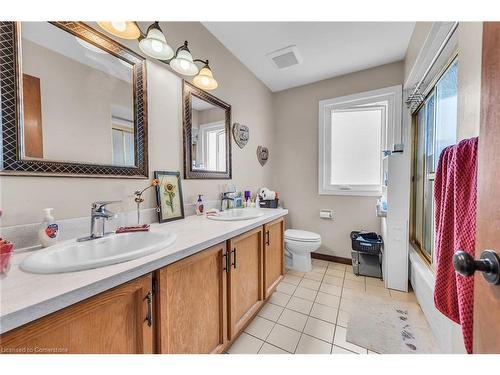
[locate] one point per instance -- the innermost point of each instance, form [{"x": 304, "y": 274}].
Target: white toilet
[{"x": 299, "y": 244}]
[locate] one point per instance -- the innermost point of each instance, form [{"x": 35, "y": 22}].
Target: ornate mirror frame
[
  {"x": 188, "y": 90},
  {"x": 11, "y": 162}
]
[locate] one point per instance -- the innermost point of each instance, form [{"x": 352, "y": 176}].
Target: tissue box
[{"x": 269, "y": 203}]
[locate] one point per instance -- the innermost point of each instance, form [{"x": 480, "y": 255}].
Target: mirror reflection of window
[
  {"x": 208, "y": 136},
  {"x": 122, "y": 125},
  {"x": 123, "y": 147}
]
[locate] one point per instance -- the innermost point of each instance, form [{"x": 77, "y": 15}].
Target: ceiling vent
[{"x": 285, "y": 57}]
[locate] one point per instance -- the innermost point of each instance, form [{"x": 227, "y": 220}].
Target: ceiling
[{"x": 327, "y": 49}]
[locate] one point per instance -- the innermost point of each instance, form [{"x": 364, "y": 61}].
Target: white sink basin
[
  {"x": 72, "y": 256},
  {"x": 235, "y": 214}
]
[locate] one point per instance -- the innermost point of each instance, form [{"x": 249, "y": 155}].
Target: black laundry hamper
[{"x": 367, "y": 250}]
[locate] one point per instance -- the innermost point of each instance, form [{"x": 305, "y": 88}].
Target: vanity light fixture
[
  {"x": 205, "y": 79},
  {"x": 121, "y": 29},
  {"x": 183, "y": 62},
  {"x": 155, "y": 44}
]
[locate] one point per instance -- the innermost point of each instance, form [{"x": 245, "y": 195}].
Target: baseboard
[{"x": 331, "y": 258}]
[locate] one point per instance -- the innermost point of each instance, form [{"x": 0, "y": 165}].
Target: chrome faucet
[
  {"x": 225, "y": 197},
  {"x": 99, "y": 211}
]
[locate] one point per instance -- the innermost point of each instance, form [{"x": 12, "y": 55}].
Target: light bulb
[
  {"x": 205, "y": 79},
  {"x": 184, "y": 64},
  {"x": 156, "y": 45},
  {"x": 119, "y": 26},
  {"x": 121, "y": 29}
]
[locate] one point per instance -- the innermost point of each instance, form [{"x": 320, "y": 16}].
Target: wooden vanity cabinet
[
  {"x": 115, "y": 321},
  {"x": 198, "y": 304},
  {"x": 245, "y": 283},
  {"x": 192, "y": 304},
  {"x": 273, "y": 255}
]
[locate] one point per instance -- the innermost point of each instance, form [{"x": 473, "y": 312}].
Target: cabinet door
[
  {"x": 191, "y": 303},
  {"x": 245, "y": 279},
  {"x": 273, "y": 255},
  {"x": 111, "y": 322}
]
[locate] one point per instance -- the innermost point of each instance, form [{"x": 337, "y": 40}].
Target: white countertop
[{"x": 25, "y": 297}]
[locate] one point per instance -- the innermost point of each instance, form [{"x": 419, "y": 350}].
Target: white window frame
[{"x": 393, "y": 96}]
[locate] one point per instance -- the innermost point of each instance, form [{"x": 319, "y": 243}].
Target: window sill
[{"x": 356, "y": 193}]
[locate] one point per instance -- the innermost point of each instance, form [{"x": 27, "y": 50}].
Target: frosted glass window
[
  {"x": 353, "y": 131},
  {"x": 356, "y": 147}
]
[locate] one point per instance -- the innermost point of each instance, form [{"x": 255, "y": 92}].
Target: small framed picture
[{"x": 169, "y": 196}]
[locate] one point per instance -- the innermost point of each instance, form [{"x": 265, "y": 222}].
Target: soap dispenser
[
  {"x": 199, "y": 205},
  {"x": 49, "y": 230}
]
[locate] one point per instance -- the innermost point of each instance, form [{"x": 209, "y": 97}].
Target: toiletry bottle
[
  {"x": 257, "y": 201},
  {"x": 199, "y": 205},
  {"x": 49, "y": 230}
]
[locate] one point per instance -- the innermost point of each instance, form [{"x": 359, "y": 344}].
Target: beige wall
[
  {"x": 24, "y": 197},
  {"x": 76, "y": 110},
  {"x": 295, "y": 157},
  {"x": 207, "y": 116},
  {"x": 470, "y": 43}
]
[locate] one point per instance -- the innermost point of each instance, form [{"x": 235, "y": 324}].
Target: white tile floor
[{"x": 309, "y": 312}]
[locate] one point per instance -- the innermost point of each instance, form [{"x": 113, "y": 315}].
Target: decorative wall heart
[
  {"x": 241, "y": 134},
  {"x": 262, "y": 154}
]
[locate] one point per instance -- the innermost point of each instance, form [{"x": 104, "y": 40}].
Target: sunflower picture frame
[{"x": 169, "y": 196}]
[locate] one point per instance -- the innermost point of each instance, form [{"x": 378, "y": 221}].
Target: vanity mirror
[
  {"x": 207, "y": 135},
  {"x": 73, "y": 102}
]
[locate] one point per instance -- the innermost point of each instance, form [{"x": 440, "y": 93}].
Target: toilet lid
[{"x": 301, "y": 235}]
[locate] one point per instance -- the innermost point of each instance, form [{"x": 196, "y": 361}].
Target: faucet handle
[{"x": 101, "y": 204}]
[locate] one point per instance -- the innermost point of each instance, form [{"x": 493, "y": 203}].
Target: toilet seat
[{"x": 301, "y": 236}]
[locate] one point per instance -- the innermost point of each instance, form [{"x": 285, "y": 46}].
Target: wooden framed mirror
[
  {"x": 74, "y": 102},
  {"x": 207, "y": 135}
]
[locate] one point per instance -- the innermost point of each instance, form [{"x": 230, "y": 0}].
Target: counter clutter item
[
  {"x": 199, "y": 205},
  {"x": 169, "y": 196},
  {"x": 6, "y": 250},
  {"x": 49, "y": 230},
  {"x": 45, "y": 294},
  {"x": 138, "y": 198},
  {"x": 212, "y": 211},
  {"x": 133, "y": 228}
]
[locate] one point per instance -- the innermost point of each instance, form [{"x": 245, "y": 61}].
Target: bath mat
[{"x": 391, "y": 327}]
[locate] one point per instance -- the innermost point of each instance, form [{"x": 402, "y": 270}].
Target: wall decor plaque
[
  {"x": 241, "y": 134},
  {"x": 262, "y": 154}
]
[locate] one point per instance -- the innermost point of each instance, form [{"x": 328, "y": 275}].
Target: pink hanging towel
[{"x": 455, "y": 188}]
